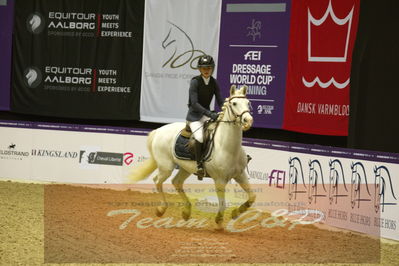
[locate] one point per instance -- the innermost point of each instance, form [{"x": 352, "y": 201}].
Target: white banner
[{"x": 176, "y": 33}]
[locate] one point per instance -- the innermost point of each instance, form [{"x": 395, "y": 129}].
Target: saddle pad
[{"x": 181, "y": 150}]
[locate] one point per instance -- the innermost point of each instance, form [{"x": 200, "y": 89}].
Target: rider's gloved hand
[{"x": 214, "y": 116}]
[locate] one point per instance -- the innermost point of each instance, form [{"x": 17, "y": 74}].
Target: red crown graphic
[{"x": 328, "y": 36}]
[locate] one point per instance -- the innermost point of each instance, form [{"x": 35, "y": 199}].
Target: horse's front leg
[
  {"x": 220, "y": 186},
  {"x": 244, "y": 183}
]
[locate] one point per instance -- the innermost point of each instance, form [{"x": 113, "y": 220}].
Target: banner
[
  {"x": 80, "y": 60},
  {"x": 320, "y": 54},
  {"x": 69, "y": 153},
  {"x": 6, "y": 19},
  {"x": 176, "y": 34},
  {"x": 354, "y": 189},
  {"x": 253, "y": 51}
]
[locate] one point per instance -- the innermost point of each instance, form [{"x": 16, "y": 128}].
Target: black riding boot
[{"x": 198, "y": 158}]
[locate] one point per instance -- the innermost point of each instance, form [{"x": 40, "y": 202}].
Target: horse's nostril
[{"x": 245, "y": 120}]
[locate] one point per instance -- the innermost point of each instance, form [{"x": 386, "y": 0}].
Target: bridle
[{"x": 237, "y": 117}]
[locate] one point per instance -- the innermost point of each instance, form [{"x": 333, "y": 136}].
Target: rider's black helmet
[{"x": 206, "y": 61}]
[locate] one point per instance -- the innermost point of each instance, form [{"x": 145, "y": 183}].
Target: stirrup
[{"x": 200, "y": 172}]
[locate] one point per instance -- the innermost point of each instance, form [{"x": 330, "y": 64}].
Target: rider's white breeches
[{"x": 197, "y": 128}]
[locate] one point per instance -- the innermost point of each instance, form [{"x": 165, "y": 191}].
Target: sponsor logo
[
  {"x": 253, "y": 55},
  {"x": 12, "y": 153},
  {"x": 337, "y": 177},
  {"x": 128, "y": 158},
  {"x": 91, "y": 157},
  {"x": 75, "y": 79},
  {"x": 32, "y": 77},
  {"x": 258, "y": 175},
  {"x": 71, "y": 24},
  {"x": 265, "y": 109},
  {"x": 103, "y": 158},
  {"x": 68, "y": 75},
  {"x": 295, "y": 176},
  {"x": 380, "y": 194},
  {"x": 254, "y": 29},
  {"x": 315, "y": 178},
  {"x": 54, "y": 153},
  {"x": 181, "y": 47},
  {"x": 317, "y": 51},
  {"x": 277, "y": 178},
  {"x": 358, "y": 178},
  {"x": 384, "y": 192},
  {"x": 342, "y": 24},
  {"x": 35, "y": 23},
  {"x": 72, "y": 21}
]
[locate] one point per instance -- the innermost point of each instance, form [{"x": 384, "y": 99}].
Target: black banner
[{"x": 78, "y": 58}]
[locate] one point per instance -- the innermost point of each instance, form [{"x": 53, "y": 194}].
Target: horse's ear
[
  {"x": 244, "y": 89},
  {"x": 232, "y": 90}
]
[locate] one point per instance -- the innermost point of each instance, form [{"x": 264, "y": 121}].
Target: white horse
[{"x": 227, "y": 160}]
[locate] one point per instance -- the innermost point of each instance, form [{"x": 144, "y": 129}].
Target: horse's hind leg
[
  {"x": 244, "y": 183},
  {"x": 159, "y": 179},
  {"x": 178, "y": 181}
]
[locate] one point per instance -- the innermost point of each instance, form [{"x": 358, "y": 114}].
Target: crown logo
[{"x": 341, "y": 28}]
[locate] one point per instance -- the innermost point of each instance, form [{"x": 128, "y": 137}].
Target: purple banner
[
  {"x": 6, "y": 22},
  {"x": 253, "y": 51}
]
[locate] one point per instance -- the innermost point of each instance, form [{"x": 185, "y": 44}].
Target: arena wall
[{"x": 351, "y": 189}]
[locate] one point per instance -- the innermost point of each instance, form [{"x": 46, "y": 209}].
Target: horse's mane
[{"x": 224, "y": 108}]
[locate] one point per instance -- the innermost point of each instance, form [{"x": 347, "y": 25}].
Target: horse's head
[{"x": 237, "y": 106}]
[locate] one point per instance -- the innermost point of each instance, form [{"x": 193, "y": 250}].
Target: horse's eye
[{"x": 234, "y": 104}]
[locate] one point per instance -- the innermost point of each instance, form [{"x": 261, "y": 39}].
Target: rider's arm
[{"x": 193, "y": 91}]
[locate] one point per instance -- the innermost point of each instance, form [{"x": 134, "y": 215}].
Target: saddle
[{"x": 185, "y": 143}]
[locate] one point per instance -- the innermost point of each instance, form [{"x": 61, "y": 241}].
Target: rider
[{"x": 202, "y": 89}]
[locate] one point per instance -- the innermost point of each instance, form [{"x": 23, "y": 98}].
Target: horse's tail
[{"x": 147, "y": 167}]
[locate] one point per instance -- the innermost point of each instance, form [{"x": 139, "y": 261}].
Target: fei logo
[
  {"x": 35, "y": 23},
  {"x": 32, "y": 77},
  {"x": 253, "y": 55},
  {"x": 278, "y": 178}
]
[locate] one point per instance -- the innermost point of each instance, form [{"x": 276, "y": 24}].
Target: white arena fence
[{"x": 355, "y": 189}]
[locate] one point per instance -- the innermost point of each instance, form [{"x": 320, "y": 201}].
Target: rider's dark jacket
[{"x": 200, "y": 97}]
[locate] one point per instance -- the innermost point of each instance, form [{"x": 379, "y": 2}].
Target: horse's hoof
[
  {"x": 219, "y": 223},
  {"x": 186, "y": 215},
  {"x": 159, "y": 211},
  {"x": 235, "y": 213},
  {"x": 219, "y": 220},
  {"x": 219, "y": 228}
]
